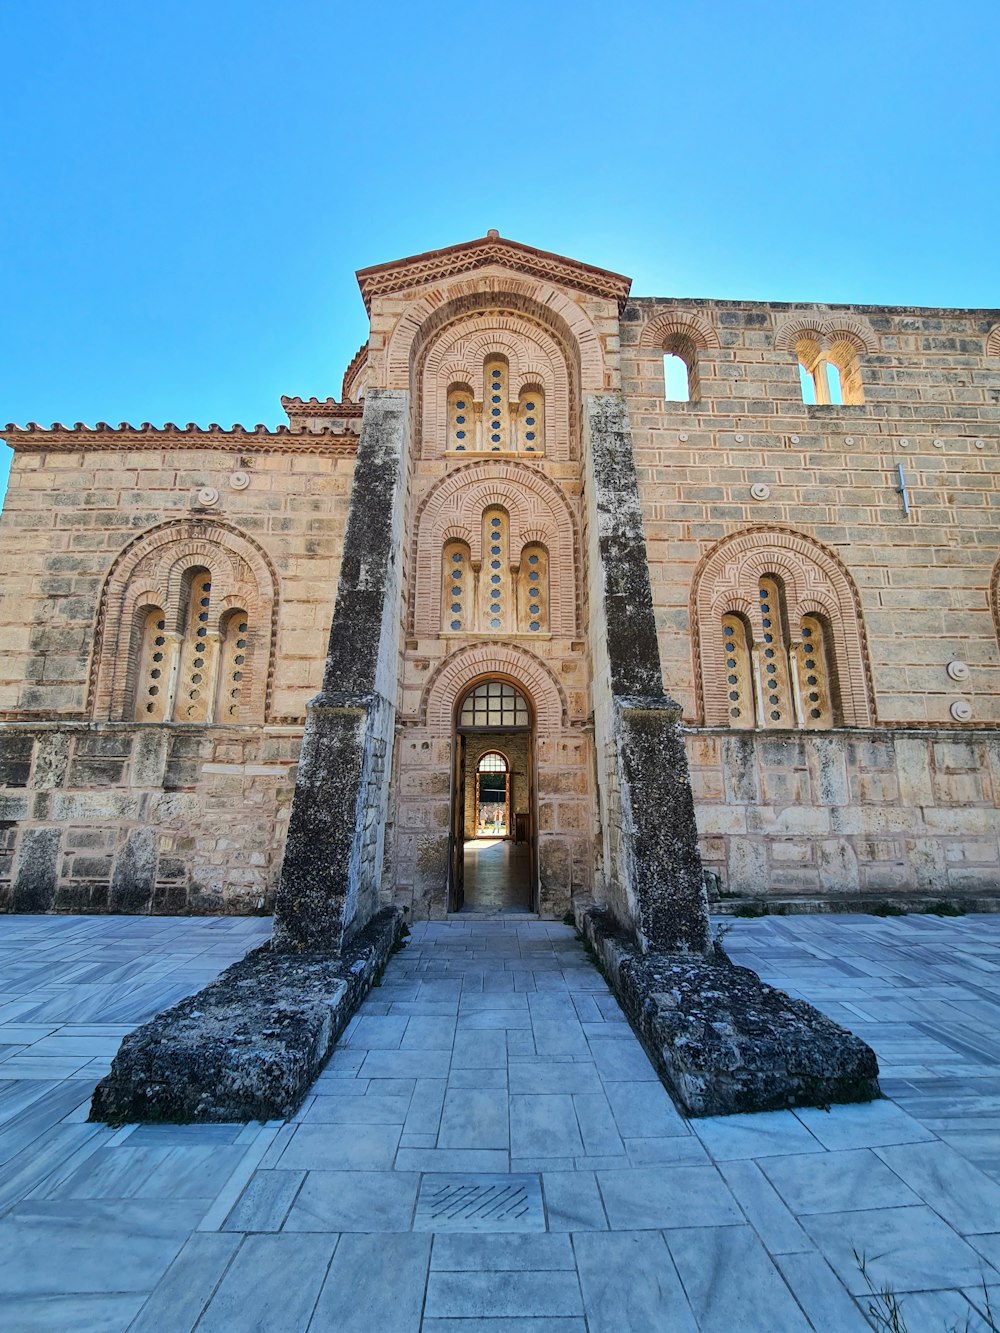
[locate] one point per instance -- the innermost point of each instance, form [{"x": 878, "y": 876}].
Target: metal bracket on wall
[{"x": 901, "y": 490}]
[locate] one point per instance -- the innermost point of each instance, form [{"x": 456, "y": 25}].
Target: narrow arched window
[
  {"x": 739, "y": 676},
  {"x": 456, "y": 589},
  {"x": 196, "y": 678},
  {"x": 676, "y": 388},
  {"x": 495, "y": 610},
  {"x": 774, "y": 694},
  {"x": 493, "y": 796},
  {"x": 531, "y": 420},
  {"x": 813, "y": 677},
  {"x": 496, "y": 405},
  {"x": 829, "y": 373},
  {"x": 234, "y": 667},
  {"x": 152, "y": 676},
  {"x": 461, "y": 419},
  {"x": 533, "y": 591}
]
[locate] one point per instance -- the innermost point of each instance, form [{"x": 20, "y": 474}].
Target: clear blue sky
[{"x": 189, "y": 185}]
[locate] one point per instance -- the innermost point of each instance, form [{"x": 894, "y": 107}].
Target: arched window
[
  {"x": 778, "y": 635},
  {"x": 154, "y": 658},
  {"x": 495, "y": 610},
  {"x": 234, "y": 669},
  {"x": 496, "y": 405},
  {"x": 774, "y": 701},
  {"x": 739, "y": 677},
  {"x": 531, "y": 420},
  {"x": 461, "y": 419},
  {"x": 815, "y": 689},
  {"x": 680, "y": 369},
  {"x": 492, "y": 795},
  {"x": 829, "y": 371},
  {"x": 185, "y": 630},
  {"x": 456, "y": 589},
  {"x": 494, "y": 704},
  {"x": 533, "y": 591}
]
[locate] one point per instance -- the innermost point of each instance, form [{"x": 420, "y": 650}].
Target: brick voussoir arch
[
  {"x": 657, "y": 331},
  {"x": 538, "y": 512},
  {"x": 825, "y": 329},
  {"x": 814, "y": 579},
  {"x": 150, "y": 571},
  {"x": 993, "y": 341},
  {"x": 469, "y": 666}
]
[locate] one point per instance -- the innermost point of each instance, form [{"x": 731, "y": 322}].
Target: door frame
[{"x": 456, "y": 840}]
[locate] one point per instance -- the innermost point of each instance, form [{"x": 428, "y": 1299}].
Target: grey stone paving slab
[
  {"x": 762, "y": 1134},
  {"x": 629, "y": 1282},
  {"x": 825, "y": 1300},
  {"x": 944, "y": 1180},
  {"x": 544, "y": 1126},
  {"x": 264, "y": 1204},
  {"x": 332, "y": 1147},
  {"x": 908, "y": 1249},
  {"x": 731, "y": 1282},
  {"x": 187, "y": 1286},
  {"x": 659, "y": 1197},
  {"x": 478, "y": 1253},
  {"x": 284, "y": 1273},
  {"x": 872, "y": 1125},
  {"x": 354, "y": 1201},
  {"x": 764, "y": 1207},
  {"x": 502, "y": 1295},
  {"x": 573, "y": 1201},
  {"x": 69, "y": 1314},
  {"x": 374, "y": 1282},
  {"x": 118, "y": 1245},
  {"x": 837, "y": 1182},
  {"x": 475, "y": 1118}
]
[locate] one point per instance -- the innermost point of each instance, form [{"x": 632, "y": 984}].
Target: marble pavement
[{"x": 489, "y": 1149}]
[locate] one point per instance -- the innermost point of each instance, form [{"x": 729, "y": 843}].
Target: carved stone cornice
[
  {"x": 491, "y": 249},
  {"x": 261, "y": 439}
]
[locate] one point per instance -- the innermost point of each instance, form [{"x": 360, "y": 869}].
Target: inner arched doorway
[{"x": 492, "y": 803}]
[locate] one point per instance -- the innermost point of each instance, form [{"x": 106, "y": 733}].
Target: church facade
[{"x": 816, "y": 495}]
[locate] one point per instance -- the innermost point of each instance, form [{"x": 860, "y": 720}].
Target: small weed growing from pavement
[
  {"x": 884, "y": 1307},
  {"x": 944, "y": 908},
  {"x": 888, "y": 909},
  {"x": 569, "y": 919}
]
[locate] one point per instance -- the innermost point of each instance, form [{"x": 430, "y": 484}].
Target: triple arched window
[
  {"x": 496, "y": 594},
  {"x": 197, "y": 671},
  {"x": 486, "y": 419},
  {"x": 778, "y": 636},
  {"x": 185, "y": 632},
  {"x": 782, "y": 679}
]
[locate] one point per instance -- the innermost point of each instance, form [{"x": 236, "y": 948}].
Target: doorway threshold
[{"x": 498, "y": 915}]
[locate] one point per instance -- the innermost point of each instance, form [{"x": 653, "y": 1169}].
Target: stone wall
[
  {"x": 79, "y": 498},
  {"x": 850, "y": 814},
  {"x": 931, "y": 386},
  {"x": 126, "y": 818}
]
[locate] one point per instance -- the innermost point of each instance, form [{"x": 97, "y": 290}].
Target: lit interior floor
[{"x": 497, "y": 875}]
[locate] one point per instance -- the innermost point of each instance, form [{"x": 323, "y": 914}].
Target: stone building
[{"x": 819, "y": 502}]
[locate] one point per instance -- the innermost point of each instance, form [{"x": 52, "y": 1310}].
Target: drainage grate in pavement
[{"x": 479, "y": 1203}]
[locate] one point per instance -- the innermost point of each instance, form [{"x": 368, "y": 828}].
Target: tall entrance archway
[{"x": 492, "y": 852}]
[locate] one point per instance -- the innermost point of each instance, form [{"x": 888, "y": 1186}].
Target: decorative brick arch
[
  {"x": 467, "y": 667},
  {"x": 664, "y": 329},
  {"x": 534, "y": 356},
  {"x": 826, "y": 330},
  {"x": 150, "y": 572},
  {"x": 453, "y": 509},
  {"x": 815, "y": 582},
  {"x": 573, "y": 329},
  {"x": 993, "y": 341}
]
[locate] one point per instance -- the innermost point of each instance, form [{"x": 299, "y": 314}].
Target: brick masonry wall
[{"x": 845, "y": 814}]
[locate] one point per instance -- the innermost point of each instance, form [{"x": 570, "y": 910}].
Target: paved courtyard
[{"x": 489, "y": 1148}]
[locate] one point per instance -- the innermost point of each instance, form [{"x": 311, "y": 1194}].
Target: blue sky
[{"x": 189, "y": 186}]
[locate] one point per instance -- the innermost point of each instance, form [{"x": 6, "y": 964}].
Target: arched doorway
[{"x": 492, "y": 820}]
